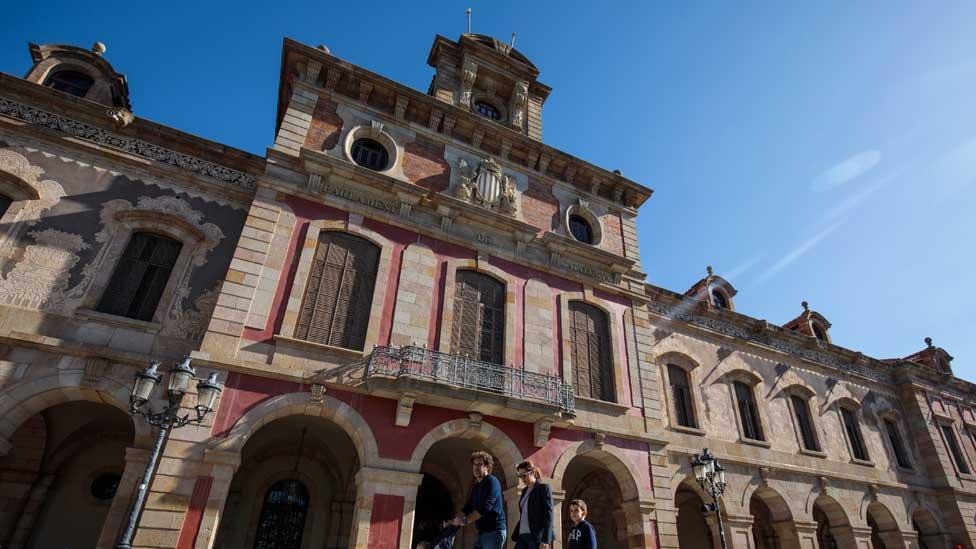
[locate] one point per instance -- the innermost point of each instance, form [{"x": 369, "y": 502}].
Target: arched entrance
[
  {"x": 693, "y": 529},
  {"x": 447, "y": 472},
  {"x": 295, "y": 488},
  {"x": 929, "y": 531},
  {"x": 770, "y": 517},
  {"x": 884, "y": 528},
  {"x": 59, "y": 480},
  {"x": 833, "y": 526},
  {"x": 589, "y": 480}
]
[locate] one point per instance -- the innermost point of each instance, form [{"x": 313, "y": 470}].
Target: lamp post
[
  {"x": 711, "y": 477},
  {"x": 166, "y": 419}
]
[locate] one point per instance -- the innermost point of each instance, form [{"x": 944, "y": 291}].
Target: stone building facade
[{"x": 405, "y": 278}]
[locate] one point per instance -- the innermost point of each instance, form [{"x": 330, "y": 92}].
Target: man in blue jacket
[
  {"x": 534, "y": 527},
  {"x": 484, "y": 507}
]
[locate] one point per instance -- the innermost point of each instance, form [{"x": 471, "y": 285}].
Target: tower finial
[
  {"x": 805, "y": 305},
  {"x": 928, "y": 342},
  {"x": 469, "y": 20},
  {"x": 513, "y": 40},
  {"x": 709, "y": 269}
]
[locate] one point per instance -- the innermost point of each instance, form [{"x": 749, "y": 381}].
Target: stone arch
[
  {"x": 882, "y": 515},
  {"x": 483, "y": 266},
  {"x": 499, "y": 443},
  {"x": 837, "y": 519},
  {"x": 33, "y": 396},
  {"x": 928, "y": 520},
  {"x": 330, "y": 409},
  {"x": 778, "y": 506},
  {"x": 616, "y": 462}
]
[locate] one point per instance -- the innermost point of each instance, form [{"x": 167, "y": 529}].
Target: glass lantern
[
  {"x": 145, "y": 382},
  {"x": 179, "y": 378},
  {"x": 207, "y": 392}
]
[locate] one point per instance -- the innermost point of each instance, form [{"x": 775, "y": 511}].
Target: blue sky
[{"x": 808, "y": 151}]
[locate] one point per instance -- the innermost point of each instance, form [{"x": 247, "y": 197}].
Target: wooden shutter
[
  {"x": 681, "y": 394},
  {"x": 339, "y": 293},
  {"x": 802, "y": 411},
  {"x": 589, "y": 337},
  {"x": 479, "y": 317},
  {"x": 748, "y": 412},
  {"x": 140, "y": 276}
]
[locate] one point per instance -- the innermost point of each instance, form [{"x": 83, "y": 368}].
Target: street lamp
[
  {"x": 166, "y": 419},
  {"x": 711, "y": 477}
]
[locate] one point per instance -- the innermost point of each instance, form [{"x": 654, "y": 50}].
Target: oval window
[
  {"x": 487, "y": 110},
  {"x": 370, "y": 154},
  {"x": 580, "y": 228}
]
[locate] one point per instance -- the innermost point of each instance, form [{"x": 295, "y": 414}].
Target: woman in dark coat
[{"x": 534, "y": 527}]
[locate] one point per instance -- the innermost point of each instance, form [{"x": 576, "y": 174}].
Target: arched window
[
  {"x": 748, "y": 411},
  {"x": 141, "y": 276},
  {"x": 589, "y": 337},
  {"x": 853, "y": 430},
  {"x": 339, "y": 293},
  {"x": 953, "y": 444},
  {"x": 897, "y": 444},
  {"x": 5, "y": 202},
  {"x": 819, "y": 332},
  {"x": 68, "y": 81},
  {"x": 681, "y": 394},
  {"x": 804, "y": 423},
  {"x": 282, "y": 520},
  {"x": 718, "y": 299},
  {"x": 479, "y": 317}
]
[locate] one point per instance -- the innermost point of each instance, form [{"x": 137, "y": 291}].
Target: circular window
[
  {"x": 487, "y": 110},
  {"x": 580, "y": 229},
  {"x": 370, "y": 154},
  {"x": 104, "y": 486}
]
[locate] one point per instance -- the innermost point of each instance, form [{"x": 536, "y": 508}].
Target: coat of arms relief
[{"x": 485, "y": 185}]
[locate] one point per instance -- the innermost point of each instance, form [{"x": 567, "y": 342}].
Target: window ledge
[
  {"x": 906, "y": 470},
  {"x": 301, "y": 343},
  {"x": 814, "y": 453},
  {"x": 688, "y": 430},
  {"x": 864, "y": 462},
  {"x": 967, "y": 476},
  {"x": 754, "y": 442},
  {"x": 595, "y": 405},
  {"x": 120, "y": 321}
]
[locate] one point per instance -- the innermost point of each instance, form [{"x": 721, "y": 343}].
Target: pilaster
[
  {"x": 373, "y": 484},
  {"x": 135, "y": 465}
]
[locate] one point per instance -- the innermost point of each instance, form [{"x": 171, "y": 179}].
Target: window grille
[
  {"x": 580, "y": 228},
  {"x": 718, "y": 300},
  {"x": 487, "y": 110},
  {"x": 370, "y": 154},
  {"x": 282, "y": 520},
  {"x": 339, "y": 293},
  {"x": 589, "y": 336},
  {"x": 141, "y": 276}
]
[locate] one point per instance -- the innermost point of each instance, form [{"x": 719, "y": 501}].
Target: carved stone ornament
[
  {"x": 470, "y": 72},
  {"x": 486, "y": 186},
  {"x": 519, "y": 100},
  {"x": 34, "y": 198},
  {"x": 40, "y": 278},
  {"x": 128, "y": 144}
]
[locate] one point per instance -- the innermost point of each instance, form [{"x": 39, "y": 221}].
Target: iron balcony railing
[{"x": 458, "y": 371}]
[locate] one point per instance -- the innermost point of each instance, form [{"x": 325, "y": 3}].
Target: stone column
[
  {"x": 639, "y": 522},
  {"x": 909, "y": 540},
  {"x": 787, "y": 535},
  {"x": 893, "y": 538},
  {"x": 740, "y": 532},
  {"x": 512, "y": 511},
  {"x": 806, "y": 535},
  {"x": 936, "y": 541},
  {"x": 118, "y": 512},
  {"x": 712, "y": 521},
  {"x": 374, "y": 485},
  {"x": 32, "y": 505},
  {"x": 222, "y": 466},
  {"x": 558, "y": 498}
]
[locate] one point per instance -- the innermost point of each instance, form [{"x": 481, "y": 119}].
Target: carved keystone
[
  {"x": 540, "y": 432},
  {"x": 599, "y": 439},
  {"x": 95, "y": 369},
  {"x": 474, "y": 421},
  {"x": 405, "y": 409},
  {"x": 316, "y": 391}
]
